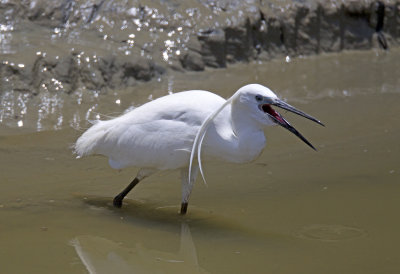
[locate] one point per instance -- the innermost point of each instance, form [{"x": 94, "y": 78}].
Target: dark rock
[
  {"x": 268, "y": 37},
  {"x": 192, "y": 61},
  {"x": 41, "y": 72},
  {"x": 213, "y": 47},
  {"x": 64, "y": 67},
  {"x": 48, "y": 13},
  {"x": 20, "y": 86},
  {"x": 239, "y": 43},
  {"x": 140, "y": 69},
  {"x": 307, "y": 29},
  {"x": 356, "y": 30},
  {"x": 330, "y": 34},
  {"x": 92, "y": 79},
  {"x": 390, "y": 22},
  {"x": 194, "y": 44},
  {"x": 107, "y": 67},
  {"x": 116, "y": 79}
]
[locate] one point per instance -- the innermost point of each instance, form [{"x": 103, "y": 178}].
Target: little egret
[{"x": 168, "y": 132}]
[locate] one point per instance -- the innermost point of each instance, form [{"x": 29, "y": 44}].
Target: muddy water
[{"x": 292, "y": 211}]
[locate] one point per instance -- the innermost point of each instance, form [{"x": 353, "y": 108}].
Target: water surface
[{"x": 293, "y": 210}]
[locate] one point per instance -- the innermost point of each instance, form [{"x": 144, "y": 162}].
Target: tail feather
[{"x": 90, "y": 139}]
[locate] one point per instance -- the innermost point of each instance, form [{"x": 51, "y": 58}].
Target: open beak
[{"x": 277, "y": 118}]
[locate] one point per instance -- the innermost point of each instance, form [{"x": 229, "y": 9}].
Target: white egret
[{"x": 167, "y": 133}]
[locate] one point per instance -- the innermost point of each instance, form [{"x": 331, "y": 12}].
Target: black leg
[
  {"x": 184, "y": 208},
  {"x": 117, "y": 202}
]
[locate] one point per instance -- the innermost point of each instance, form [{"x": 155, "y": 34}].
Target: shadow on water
[{"x": 167, "y": 218}]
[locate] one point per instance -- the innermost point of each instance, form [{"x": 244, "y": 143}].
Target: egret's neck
[{"x": 250, "y": 136}]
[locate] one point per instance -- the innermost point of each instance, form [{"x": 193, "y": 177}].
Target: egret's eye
[{"x": 259, "y": 98}]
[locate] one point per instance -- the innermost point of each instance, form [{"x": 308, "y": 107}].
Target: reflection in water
[{"x": 100, "y": 255}]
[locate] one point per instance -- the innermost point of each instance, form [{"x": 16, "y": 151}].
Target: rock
[
  {"x": 273, "y": 40},
  {"x": 192, "y": 61},
  {"x": 140, "y": 69},
  {"x": 116, "y": 79},
  {"x": 308, "y": 30},
  {"x": 194, "y": 44},
  {"x": 356, "y": 30},
  {"x": 92, "y": 79},
  {"x": 213, "y": 47},
  {"x": 386, "y": 19},
  {"x": 19, "y": 85},
  {"x": 239, "y": 43},
  {"x": 63, "y": 68},
  {"x": 49, "y": 13},
  {"x": 331, "y": 25}
]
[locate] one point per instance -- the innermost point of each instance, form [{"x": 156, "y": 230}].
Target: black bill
[
  {"x": 282, "y": 121},
  {"x": 284, "y": 105}
]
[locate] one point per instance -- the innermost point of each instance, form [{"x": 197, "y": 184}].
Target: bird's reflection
[{"x": 100, "y": 255}]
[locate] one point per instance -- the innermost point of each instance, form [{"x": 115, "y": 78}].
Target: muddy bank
[{"x": 63, "y": 45}]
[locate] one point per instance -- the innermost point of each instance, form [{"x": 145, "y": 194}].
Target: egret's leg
[
  {"x": 143, "y": 173},
  {"x": 187, "y": 187},
  {"x": 117, "y": 202}
]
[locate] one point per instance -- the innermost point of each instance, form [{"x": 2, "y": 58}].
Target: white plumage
[
  {"x": 158, "y": 134},
  {"x": 167, "y": 132}
]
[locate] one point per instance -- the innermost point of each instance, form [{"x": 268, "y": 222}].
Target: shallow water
[{"x": 291, "y": 211}]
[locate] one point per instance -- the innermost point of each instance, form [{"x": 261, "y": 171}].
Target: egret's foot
[
  {"x": 117, "y": 202},
  {"x": 184, "y": 208}
]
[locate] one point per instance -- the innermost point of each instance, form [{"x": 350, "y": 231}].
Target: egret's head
[
  {"x": 258, "y": 101},
  {"x": 254, "y": 100}
]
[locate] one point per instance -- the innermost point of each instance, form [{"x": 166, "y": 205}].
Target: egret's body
[
  {"x": 164, "y": 139},
  {"x": 167, "y": 132}
]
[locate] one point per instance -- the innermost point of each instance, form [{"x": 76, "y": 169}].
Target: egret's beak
[{"x": 277, "y": 118}]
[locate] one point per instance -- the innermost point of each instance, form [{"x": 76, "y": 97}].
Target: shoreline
[{"x": 53, "y": 47}]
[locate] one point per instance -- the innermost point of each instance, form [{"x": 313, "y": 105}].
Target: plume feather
[{"x": 198, "y": 140}]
